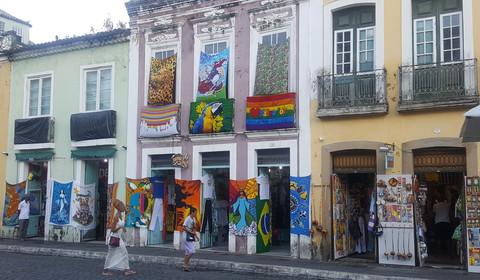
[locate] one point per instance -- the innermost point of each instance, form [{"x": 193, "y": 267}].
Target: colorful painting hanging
[
  {"x": 61, "y": 203},
  {"x": 159, "y": 121},
  {"x": 111, "y": 196},
  {"x": 271, "y": 111},
  {"x": 211, "y": 117},
  {"x": 264, "y": 236},
  {"x": 83, "y": 206},
  {"x": 271, "y": 76},
  {"x": 242, "y": 202},
  {"x": 187, "y": 195},
  {"x": 300, "y": 205},
  {"x": 139, "y": 202},
  {"x": 161, "y": 87},
  {"x": 13, "y": 195},
  {"x": 212, "y": 76}
]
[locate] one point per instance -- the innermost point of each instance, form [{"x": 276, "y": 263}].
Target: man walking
[{"x": 23, "y": 215}]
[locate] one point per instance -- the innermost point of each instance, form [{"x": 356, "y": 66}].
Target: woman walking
[
  {"x": 189, "y": 228},
  {"x": 117, "y": 257}
]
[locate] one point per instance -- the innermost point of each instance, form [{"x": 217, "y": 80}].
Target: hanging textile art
[
  {"x": 242, "y": 202},
  {"x": 271, "y": 76},
  {"x": 212, "y": 76},
  {"x": 83, "y": 206},
  {"x": 13, "y": 195},
  {"x": 61, "y": 194},
  {"x": 271, "y": 111},
  {"x": 211, "y": 117},
  {"x": 159, "y": 121},
  {"x": 139, "y": 202},
  {"x": 299, "y": 205},
  {"x": 187, "y": 195},
  {"x": 161, "y": 87},
  {"x": 264, "y": 225},
  {"x": 111, "y": 196}
]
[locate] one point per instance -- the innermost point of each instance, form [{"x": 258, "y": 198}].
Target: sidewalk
[{"x": 224, "y": 261}]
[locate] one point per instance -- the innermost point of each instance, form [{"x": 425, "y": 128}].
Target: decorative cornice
[
  {"x": 164, "y": 37},
  {"x": 214, "y": 13},
  {"x": 162, "y": 21},
  {"x": 215, "y": 29},
  {"x": 268, "y": 2},
  {"x": 272, "y": 18},
  {"x": 273, "y": 134}
]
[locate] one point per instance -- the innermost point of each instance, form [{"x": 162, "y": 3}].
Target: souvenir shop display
[
  {"x": 472, "y": 194},
  {"x": 420, "y": 195},
  {"x": 396, "y": 216}
]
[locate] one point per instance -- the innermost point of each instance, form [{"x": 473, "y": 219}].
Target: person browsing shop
[
  {"x": 23, "y": 217},
  {"x": 441, "y": 210}
]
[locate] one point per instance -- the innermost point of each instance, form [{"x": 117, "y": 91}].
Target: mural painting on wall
[
  {"x": 139, "y": 202},
  {"x": 159, "y": 121},
  {"x": 161, "y": 87},
  {"x": 61, "y": 194},
  {"x": 300, "y": 205},
  {"x": 187, "y": 195},
  {"x": 111, "y": 196},
  {"x": 211, "y": 117},
  {"x": 212, "y": 76},
  {"x": 242, "y": 202},
  {"x": 13, "y": 195},
  {"x": 83, "y": 206},
  {"x": 271, "y": 111},
  {"x": 271, "y": 76}
]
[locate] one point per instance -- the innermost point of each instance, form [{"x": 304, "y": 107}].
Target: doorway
[
  {"x": 37, "y": 186},
  {"x": 96, "y": 172}
]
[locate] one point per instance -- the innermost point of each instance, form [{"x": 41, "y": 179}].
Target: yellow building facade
[
  {"x": 393, "y": 80},
  {"x": 4, "y": 108}
]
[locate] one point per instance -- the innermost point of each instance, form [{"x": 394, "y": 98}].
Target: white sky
[{"x": 64, "y": 17}]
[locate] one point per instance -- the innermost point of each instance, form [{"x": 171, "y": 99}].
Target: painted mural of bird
[{"x": 204, "y": 123}]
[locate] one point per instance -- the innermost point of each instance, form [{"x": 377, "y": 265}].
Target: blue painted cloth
[
  {"x": 299, "y": 205},
  {"x": 61, "y": 198},
  {"x": 158, "y": 186}
]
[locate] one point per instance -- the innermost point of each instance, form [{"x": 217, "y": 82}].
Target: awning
[
  {"x": 94, "y": 153},
  {"x": 471, "y": 126},
  {"x": 34, "y": 156}
]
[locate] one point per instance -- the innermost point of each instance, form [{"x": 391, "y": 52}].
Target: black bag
[
  {"x": 114, "y": 241},
  {"x": 377, "y": 229},
  {"x": 190, "y": 237}
]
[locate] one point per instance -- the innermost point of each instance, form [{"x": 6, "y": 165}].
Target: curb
[{"x": 202, "y": 264}]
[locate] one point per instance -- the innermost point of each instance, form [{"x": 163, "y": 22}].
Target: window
[
  {"x": 215, "y": 48},
  {"x": 98, "y": 89},
  {"x": 274, "y": 38},
  {"x": 354, "y": 40},
  {"x": 2, "y": 26},
  {"x": 437, "y": 31},
  {"x": 40, "y": 93},
  {"x": 18, "y": 30},
  {"x": 164, "y": 54}
]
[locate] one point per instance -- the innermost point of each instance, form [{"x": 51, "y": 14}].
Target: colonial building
[{"x": 18, "y": 26}]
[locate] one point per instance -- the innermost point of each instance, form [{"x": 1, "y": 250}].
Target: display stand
[
  {"x": 395, "y": 213},
  {"x": 472, "y": 194}
]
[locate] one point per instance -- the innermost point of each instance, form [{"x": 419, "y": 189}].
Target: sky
[{"x": 64, "y": 18}]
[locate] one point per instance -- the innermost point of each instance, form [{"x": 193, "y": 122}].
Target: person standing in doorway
[
  {"x": 189, "y": 228},
  {"x": 23, "y": 216},
  {"x": 443, "y": 235}
]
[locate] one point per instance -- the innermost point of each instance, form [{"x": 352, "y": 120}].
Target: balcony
[
  {"x": 360, "y": 93},
  {"x": 93, "y": 128},
  {"x": 441, "y": 85},
  {"x": 34, "y": 133}
]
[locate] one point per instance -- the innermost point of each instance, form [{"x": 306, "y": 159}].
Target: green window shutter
[{"x": 93, "y": 153}]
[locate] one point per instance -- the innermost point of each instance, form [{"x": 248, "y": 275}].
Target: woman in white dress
[
  {"x": 189, "y": 227},
  {"x": 117, "y": 257}
]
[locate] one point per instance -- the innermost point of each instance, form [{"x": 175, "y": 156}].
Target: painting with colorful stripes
[
  {"x": 159, "y": 121},
  {"x": 271, "y": 111}
]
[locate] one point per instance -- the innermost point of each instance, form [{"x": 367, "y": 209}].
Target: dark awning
[
  {"x": 34, "y": 156},
  {"x": 94, "y": 153}
]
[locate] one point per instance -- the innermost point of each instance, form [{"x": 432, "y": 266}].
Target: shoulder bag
[{"x": 114, "y": 240}]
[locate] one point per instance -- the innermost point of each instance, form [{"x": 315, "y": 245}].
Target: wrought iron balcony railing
[
  {"x": 359, "y": 92},
  {"x": 437, "y": 83}
]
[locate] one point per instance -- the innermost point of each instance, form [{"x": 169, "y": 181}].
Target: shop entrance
[
  {"x": 96, "y": 172},
  {"x": 162, "y": 168},
  {"x": 439, "y": 208},
  {"x": 216, "y": 186},
  {"x": 37, "y": 186},
  {"x": 275, "y": 164}
]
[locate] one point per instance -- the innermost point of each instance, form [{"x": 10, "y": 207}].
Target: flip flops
[
  {"x": 186, "y": 269},
  {"x": 129, "y": 272},
  {"x": 106, "y": 273}
]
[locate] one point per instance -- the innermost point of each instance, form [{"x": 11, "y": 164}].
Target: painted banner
[
  {"x": 13, "y": 195},
  {"x": 187, "y": 195},
  {"x": 271, "y": 76},
  {"x": 139, "y": 202},
  {"x": 161, "y": 87},
  {"x": 159, "y": 121},
  {"x": 212, "y": 76},
  {"x": 271, "y": 111},
  {"x": 111, "y": 196},
  {"x": 60, "y": 203},
  {"x": 83, "y": 206},
  {"x": 211, "y": 117},
  {"x": 264, "y": 236},
  {"x": 242, "y": 202},
  {"x": 299, "y": 205}
]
